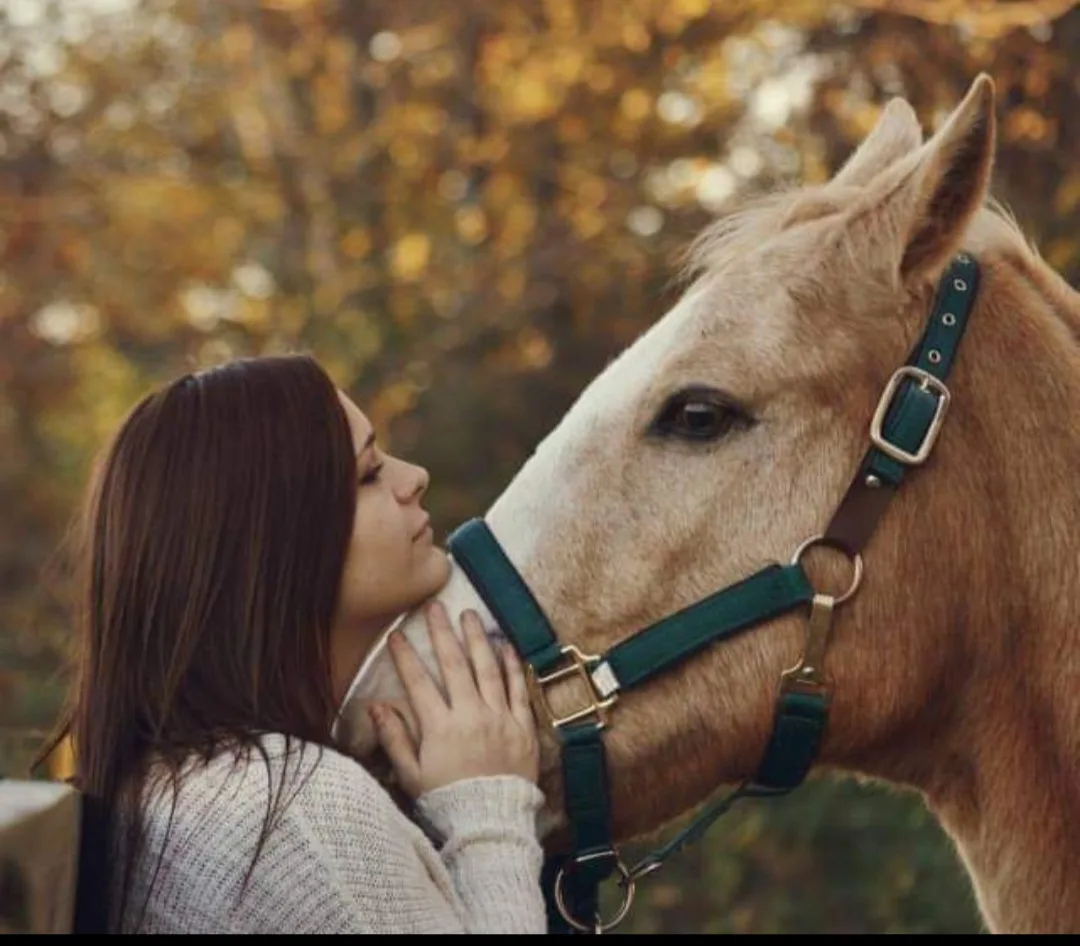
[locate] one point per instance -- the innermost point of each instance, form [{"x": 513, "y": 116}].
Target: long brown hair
[{"x": 215, "y": 532}]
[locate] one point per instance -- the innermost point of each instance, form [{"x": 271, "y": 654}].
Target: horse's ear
[
  {"x": 896, "y": 134},
  {"x": 917, "y": 210}
]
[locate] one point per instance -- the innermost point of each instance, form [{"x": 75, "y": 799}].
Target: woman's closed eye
[{"x": 371, "y": 475}]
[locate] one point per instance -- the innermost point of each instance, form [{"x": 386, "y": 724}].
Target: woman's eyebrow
[{"x": 367, "y": 443}]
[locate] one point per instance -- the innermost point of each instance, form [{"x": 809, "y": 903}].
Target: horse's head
[{"x": 723, "y": 438}]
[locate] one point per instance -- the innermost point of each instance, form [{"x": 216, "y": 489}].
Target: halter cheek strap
[{"x": 909, "y": 416}]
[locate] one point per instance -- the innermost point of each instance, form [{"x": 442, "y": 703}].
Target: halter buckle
[
  {"x": 927, "y": 382},
  {"x": 579, "y": 667}
]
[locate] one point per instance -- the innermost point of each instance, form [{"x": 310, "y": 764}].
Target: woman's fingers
[
  {"x": 489, "y": 678},
  {"x": 517, "y": 692},
  {"x": 456, "y": 672},
  {"x": 398, "y": 745},
  {"x": 485, "y": 728},
  {"x": 424, "y": 696}
]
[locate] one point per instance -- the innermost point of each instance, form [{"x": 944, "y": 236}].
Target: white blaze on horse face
[
  {"x": 547, "y": 484},
  {"x": 593, "y": 517}
]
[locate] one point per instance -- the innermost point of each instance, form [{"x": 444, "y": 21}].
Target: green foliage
[{"x": 464, "y": 210}]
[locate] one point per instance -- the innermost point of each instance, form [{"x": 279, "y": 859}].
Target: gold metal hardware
[
  {"x": 626, "y": 882},
  {"x": 927, "y": 382},
  {"x": 579, "y": 668},
  {"x": 856, "y": 560},
  {"x": 808, "y": 675}
]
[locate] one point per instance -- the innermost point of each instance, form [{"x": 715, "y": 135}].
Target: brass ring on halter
[
  {"x": 625, "y": 881},
  {"x": 856, "y": 559}
]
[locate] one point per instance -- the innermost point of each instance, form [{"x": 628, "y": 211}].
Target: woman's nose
[{"x": 414, "y": 482}]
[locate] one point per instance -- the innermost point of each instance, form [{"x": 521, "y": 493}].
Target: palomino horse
[{"x": 731, "y": 431}]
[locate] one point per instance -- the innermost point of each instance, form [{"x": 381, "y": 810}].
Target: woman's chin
[{"x": 438, "y": 567}]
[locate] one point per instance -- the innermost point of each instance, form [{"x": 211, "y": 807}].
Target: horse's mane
[
  {"x": 756, "y": 218},
  {"x": 760, "y": 217}
]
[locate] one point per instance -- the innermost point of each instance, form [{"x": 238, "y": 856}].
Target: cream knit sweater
[{"x": 343, "y": 858}]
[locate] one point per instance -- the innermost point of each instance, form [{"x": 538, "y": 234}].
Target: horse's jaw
[{"x": 377, "y": 679}]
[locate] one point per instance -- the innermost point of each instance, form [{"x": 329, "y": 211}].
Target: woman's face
[{"x": 392, "y": 563}]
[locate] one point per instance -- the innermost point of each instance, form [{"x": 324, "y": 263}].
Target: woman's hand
[{"x": 483, "y": 727}]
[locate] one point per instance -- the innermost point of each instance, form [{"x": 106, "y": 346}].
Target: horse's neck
[
  {"x": 1004, "y": 777},
  {"x": 1012, "y": 809}
]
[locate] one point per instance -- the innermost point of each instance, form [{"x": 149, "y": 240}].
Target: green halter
[{"x": 903, "y": 431}]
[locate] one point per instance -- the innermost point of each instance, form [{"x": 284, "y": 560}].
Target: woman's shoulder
[
  {"x": 312, "y": 822},
  {"x": 321, "y": 770},
  {"x": 273, "y": 767}
]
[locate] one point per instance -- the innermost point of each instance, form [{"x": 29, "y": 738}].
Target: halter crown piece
[{"x": 903, "y": 430}]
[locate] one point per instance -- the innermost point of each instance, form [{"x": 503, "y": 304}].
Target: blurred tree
[{"x": 464, "y": 210}]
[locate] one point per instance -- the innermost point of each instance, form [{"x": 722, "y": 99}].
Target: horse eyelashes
[{"x": 699, "y": 414}]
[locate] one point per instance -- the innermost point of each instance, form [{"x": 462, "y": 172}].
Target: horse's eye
[{"x": 699, "y": 414}]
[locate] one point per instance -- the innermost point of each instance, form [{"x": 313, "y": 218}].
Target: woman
[{"x": 246, "y": 542}]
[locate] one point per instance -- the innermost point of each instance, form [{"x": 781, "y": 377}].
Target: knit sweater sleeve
[{"x": 491, "y": 850}]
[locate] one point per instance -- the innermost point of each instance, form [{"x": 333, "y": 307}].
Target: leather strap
[
  {"x": 765, "y": 594},
  {"x": 911, "y": 411},
  {"x": 792, "y": 748},
  {"x": 796, "y": 738},
  {"x": 586, "y": 792},
  {"x": 512, "y": 604}
]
